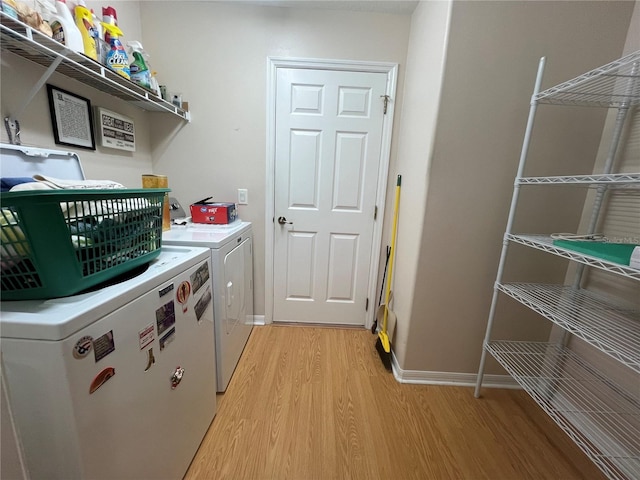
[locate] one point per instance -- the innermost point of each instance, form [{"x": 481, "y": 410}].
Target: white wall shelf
[
  {"x": 599, "y": 413},
  {"x": 20, "y": 39}
]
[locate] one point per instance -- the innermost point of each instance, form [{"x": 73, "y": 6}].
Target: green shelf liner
[{"x": 613, "y": 252}]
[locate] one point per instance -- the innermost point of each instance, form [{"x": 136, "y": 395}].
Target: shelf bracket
[
  {"x": 11, "y": 122},
  {"x": 36, "y": 88}
]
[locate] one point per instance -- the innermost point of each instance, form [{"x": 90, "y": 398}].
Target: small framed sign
[
  {"x": 71, "y": 118},
  {"x": 115, "y": 130}
]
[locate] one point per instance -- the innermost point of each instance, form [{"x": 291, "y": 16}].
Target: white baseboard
[
  {"x": 259, "y": 320},
  {"x": 421, "y": 377}
]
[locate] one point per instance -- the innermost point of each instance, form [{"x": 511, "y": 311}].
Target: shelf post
[{"x": 512, "y": 211}]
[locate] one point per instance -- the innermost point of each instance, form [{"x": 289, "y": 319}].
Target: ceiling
[{"x": 397, "y": 7}]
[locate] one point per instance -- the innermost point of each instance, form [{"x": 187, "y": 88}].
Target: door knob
[{"x": 283, "y": 221}]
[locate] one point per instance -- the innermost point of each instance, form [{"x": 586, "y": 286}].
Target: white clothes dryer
[{"x": 231, "y": 249}]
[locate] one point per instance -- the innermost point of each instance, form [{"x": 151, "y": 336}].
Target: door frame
[{"x": 391, "y": 70}]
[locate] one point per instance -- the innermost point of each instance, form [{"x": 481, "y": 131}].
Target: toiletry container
[
  {"x": 64, "y": 28},
  {"x": 84, "y": 22}
]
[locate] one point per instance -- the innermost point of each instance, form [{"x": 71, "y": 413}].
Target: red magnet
[
  {"x": 101, "y": 378},
  {"x": 182, "y": 295}
]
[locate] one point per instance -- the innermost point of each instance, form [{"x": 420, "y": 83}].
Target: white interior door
[{"x": 328, "y": 140}]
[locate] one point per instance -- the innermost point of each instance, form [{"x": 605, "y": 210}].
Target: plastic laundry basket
[{"x": 58, "y": 243}]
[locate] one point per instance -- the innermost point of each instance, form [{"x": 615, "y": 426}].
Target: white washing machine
[
  {"x": 231, "y": 249},
  {"x": 117, "y": 382}
]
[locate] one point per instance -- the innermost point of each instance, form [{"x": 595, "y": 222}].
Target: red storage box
[{"x": 219, "y": 213}]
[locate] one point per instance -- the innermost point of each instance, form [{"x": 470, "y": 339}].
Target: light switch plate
[{"x": 243, "y": 196}]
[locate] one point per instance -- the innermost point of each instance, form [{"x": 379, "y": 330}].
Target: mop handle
[{"x": 392, "y": 254}]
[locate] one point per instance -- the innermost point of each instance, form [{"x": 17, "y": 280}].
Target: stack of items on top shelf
[
  {"x": 23, "y": 12},
  {"x": 77, "y": 28},
  {"x": 587, "y": 381}
]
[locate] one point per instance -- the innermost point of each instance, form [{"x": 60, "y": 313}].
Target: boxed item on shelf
[{"x": 213, "y": 212}]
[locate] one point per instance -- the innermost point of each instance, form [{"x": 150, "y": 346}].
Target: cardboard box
[{"x": 218, "y": 213}]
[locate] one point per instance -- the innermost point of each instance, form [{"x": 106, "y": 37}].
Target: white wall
[
  {"x": 423, "y": 86},
  {"x": 18, "y": 77},
  {"x": 215, "y": 54},
  {"x": 491, "y": 59}
]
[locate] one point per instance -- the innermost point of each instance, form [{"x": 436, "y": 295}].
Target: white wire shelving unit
[
  {"x": 602, "y": 419},
  {"x": 599, "y": 415},
  {"x": 581, "y": 312},
  {"x": 20, "y": 39}
]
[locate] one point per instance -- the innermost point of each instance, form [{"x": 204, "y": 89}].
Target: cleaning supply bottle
[
  {"x": 97, "y": 23},
  {"x": 110, "y": 17},
  {"x": 64, "y": 28},
  {"x": 71, "y": 5},
  {"x": 155, "y": 86},
  {"x": 45, "y": 8},
  {"x": 138, "y": 68},
  {"x": 101, "y": 46},
  {"x": 117, "y": 58},
  {"x": 84, "y": 22}
]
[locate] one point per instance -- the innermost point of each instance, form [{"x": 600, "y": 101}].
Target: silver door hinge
[
  {"x": 366, "y": 307},
  {"x": 375, "y": 212},
  {"x": 386, "y": 102}
]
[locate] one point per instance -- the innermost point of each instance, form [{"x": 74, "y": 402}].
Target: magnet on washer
[
  {"x": 182, "y": 295},
  {"x": 101, "y": 378},
  {"x": 150, "y": 359},
  {"x": 83, "y": 347}
]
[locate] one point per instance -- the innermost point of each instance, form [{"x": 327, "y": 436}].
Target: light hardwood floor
[{"x": 316, "y": 403}]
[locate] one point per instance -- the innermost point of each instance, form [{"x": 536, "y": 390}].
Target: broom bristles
[{"x": 384, "y": 356}]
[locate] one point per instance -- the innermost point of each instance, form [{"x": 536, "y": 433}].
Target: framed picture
[
  {"x": 114, "y": 130},
  {"x": 71, "y": 118}
]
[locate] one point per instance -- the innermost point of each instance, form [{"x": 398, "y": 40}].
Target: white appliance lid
[
  {"x": 205, "y": 235},
  {"x": 57, "y": 318},
  {"x": 25, "y": 161}
]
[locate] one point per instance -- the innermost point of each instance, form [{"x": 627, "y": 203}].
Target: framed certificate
[{"x": 71, "y": 118}]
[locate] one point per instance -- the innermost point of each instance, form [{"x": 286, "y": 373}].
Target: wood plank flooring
[{"x": 316, "y": 403}]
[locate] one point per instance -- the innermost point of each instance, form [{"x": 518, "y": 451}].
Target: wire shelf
[
  {"x": 619, "y": 180},
  {"x": 616, "y": 84},
  {"x": 545, "y": 243},
  {"x": 602, "y": 419},
  {"x": 20, "y": 39},
  {"x": 605, "y": 323}
]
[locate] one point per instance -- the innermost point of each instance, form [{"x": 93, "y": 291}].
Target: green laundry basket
[{"x": 57, "y": 243}]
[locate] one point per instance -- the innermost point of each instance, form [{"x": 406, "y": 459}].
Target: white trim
[
  {"x": 259, "y": 320},
  {"x": 391, "y": 70},
  {"x": 420, "y": 377}
]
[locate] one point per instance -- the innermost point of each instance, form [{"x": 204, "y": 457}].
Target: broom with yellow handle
[{"x": 383, "y": 345}]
